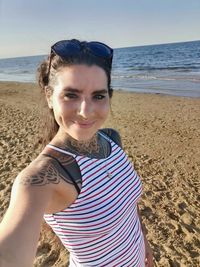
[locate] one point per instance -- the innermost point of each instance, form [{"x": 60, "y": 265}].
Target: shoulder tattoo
[{"x": 50, "y": 174}]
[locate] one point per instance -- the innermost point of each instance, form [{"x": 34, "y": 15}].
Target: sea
[{"x": 171, "y": 69}]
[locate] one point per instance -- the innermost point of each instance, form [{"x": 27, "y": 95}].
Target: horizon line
[{"x": 123, "y": 47}]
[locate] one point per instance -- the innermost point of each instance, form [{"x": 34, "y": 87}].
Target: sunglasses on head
[{"x": 70, "y": 48}]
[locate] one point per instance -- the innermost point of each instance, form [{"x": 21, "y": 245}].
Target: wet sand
[{"x": 160, "y": 134}]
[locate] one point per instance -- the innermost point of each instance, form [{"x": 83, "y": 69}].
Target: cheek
[
  {"x": 61, "y": 111},
  {"x": 104, "y": 110},
  {"x": 63, "y": 107}
]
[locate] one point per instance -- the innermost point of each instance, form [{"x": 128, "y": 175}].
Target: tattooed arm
[{"x": 20, "y": 227}]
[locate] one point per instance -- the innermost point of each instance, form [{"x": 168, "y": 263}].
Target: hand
[{"x": 148, "y": 254}]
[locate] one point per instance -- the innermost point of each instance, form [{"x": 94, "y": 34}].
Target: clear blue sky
[{"x": 29, "y": 27}]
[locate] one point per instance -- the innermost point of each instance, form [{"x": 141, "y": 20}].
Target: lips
[{"x": 84, "y": 124}]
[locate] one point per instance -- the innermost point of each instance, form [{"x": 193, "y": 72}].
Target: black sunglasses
[{"x": 68, "y": 48}]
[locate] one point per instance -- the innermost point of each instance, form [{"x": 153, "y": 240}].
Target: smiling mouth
[{"x": 84, "y": 124}]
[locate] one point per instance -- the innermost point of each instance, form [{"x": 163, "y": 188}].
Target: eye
[
  {"x": 70, "y": 96},
  {"x": 99, "y": 97}
]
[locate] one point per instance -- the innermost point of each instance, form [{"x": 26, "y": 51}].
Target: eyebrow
[{"x": 74, "y": 90}]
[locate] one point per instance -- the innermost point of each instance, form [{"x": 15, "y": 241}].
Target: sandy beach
[{"x": 160, "y": 134}]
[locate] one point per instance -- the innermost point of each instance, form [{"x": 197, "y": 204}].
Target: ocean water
[{"x": 172, "y": 69}]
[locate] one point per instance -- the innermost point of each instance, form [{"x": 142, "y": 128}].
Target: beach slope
[{"x": 160, "y": 134}]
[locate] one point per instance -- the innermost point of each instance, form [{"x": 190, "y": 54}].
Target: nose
[{"x": 86, "y": 109}]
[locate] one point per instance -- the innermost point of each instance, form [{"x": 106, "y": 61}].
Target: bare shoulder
[{"x": 113, "y": 134}]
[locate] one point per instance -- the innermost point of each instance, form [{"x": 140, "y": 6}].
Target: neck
[{"x": 77, "y": 146}]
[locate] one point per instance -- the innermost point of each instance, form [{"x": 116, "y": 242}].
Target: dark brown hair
[{"x": 46, "y": 81}]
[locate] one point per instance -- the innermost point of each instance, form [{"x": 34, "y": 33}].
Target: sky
[{"x": 30, "y": 27}]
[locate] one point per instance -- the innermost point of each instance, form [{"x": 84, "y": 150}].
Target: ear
[{"x": 48, "y": 93}]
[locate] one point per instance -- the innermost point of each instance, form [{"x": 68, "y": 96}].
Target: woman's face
[{"x": 80, "y": 100}]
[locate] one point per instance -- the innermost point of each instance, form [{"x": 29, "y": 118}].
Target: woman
[{"x": 82, "y": 182}]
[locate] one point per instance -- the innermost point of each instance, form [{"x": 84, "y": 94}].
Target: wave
[
  {"x": 14, "y": 72},
  {"x": 175, "y": 68},
  {"x": 161, "y": 78}
]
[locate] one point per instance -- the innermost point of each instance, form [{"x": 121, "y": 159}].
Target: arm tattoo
[
  {"x": 69, "y": 163},
  {"x": 49, "y": 174}
]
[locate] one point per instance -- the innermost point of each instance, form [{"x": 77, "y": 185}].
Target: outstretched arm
[{"x": 20, "y": 227}]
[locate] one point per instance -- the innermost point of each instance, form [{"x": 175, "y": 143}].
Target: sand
[{"x": 160, "y": 134}]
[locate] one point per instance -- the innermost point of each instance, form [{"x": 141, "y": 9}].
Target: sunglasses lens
[
  {"x": 100, "y": 49},
  {"x": 66, "y": 48}
]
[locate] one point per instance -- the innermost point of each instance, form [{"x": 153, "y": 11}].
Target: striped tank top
[{"x": 101, "y": 227}]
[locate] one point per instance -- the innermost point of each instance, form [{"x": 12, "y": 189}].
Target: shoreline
[
  {"x": 161, "y": 136},
  {"x": 115, "y": 90}
]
